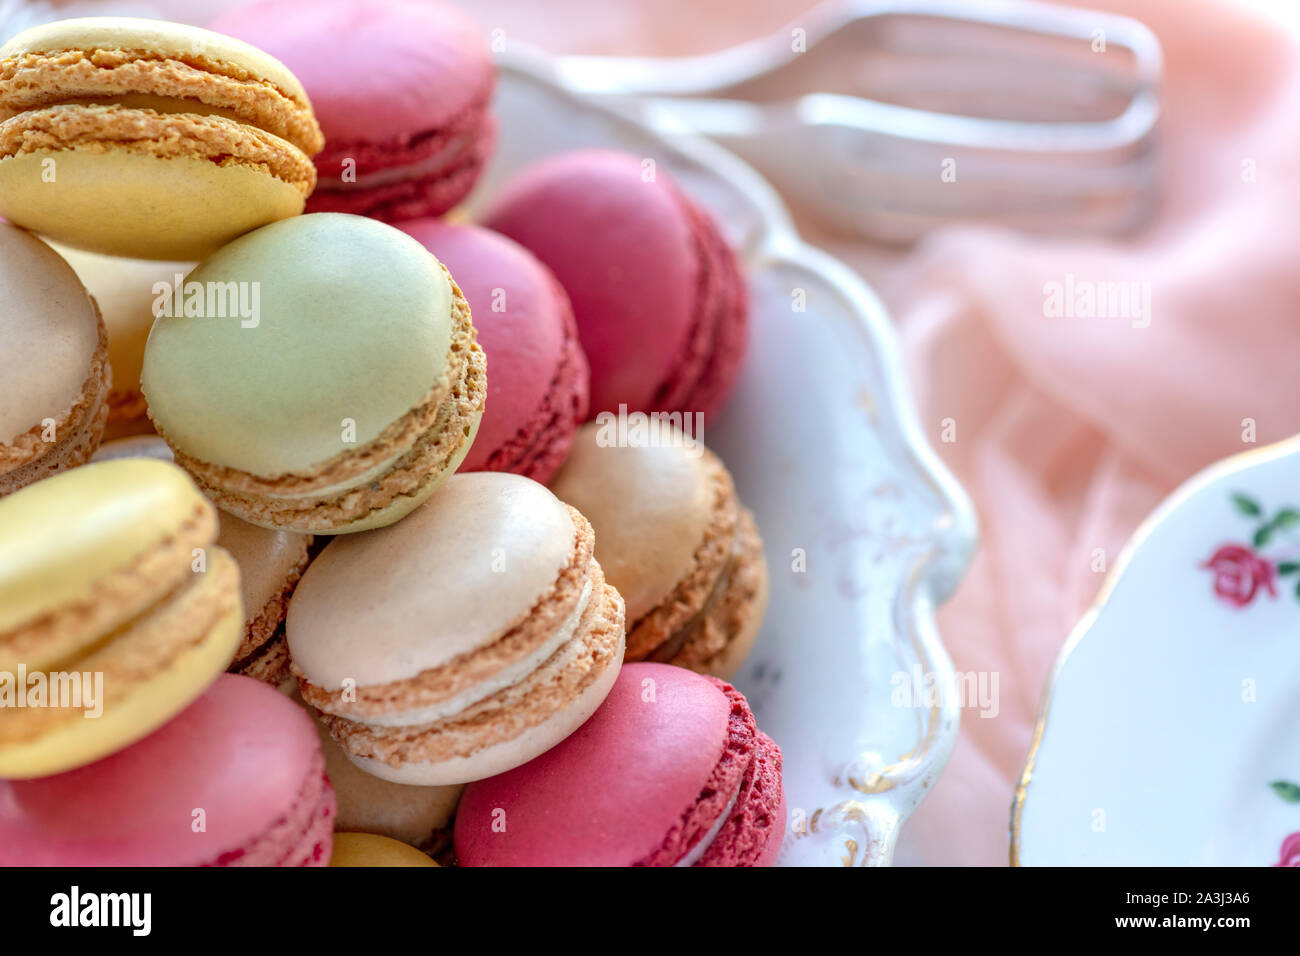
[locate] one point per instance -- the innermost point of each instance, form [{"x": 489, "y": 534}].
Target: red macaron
[
  {"x": 659, "y": 296},
  {"x": 671, "y": 770},
  {"x": 402, "y": 92},
  {"x": 537, "y": 374}
]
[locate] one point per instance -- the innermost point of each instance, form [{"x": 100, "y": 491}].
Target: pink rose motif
[
  {"x": 1239, "y": 573},
  {"x": 1290, "y": 854}
]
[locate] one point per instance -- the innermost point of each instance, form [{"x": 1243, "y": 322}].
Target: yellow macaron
[
  {"x": 149, "y": 139},
  {"x": 370, "y": 849},
  {"x": 117, "y": 610}
]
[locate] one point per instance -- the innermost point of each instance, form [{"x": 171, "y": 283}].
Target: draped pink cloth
[{"x": 1069, "y": 431}]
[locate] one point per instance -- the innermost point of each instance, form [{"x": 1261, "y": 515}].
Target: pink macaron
[
  {"x": 402, "y": 91},
  {"x": 670, "y": 771},
  {"x": 659, "y": 297},
  {"x": 538, "y": 378},
  {"x": 236, "y": 779}
]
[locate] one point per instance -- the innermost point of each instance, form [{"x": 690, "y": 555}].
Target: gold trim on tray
[{"x": 1176, "y": 499}]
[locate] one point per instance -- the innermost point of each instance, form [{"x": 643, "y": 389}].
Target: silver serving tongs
[{"x": 1030, "y": 115}]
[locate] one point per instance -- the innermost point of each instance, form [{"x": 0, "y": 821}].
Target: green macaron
[{"x": 320, "y": 374}]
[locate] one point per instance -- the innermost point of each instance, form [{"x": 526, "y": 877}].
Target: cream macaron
[
  {"x": 54, "y": 371},
  {"x": 338, "y": 383},
  {"x": 463, "y": 641},
  {"x": 420, "y": 816},
  {"x": 675, "y": 540},
  {"x": 128, "y": 291}
]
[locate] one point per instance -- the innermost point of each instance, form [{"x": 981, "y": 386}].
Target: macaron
[
  {"x": 367, "y": 849},
  {"x": 149, "y": 139},
  {"x": 345, "y": 388},
  {"x": 403, "y": 92},
  {"x": 270, "y": 564},
  {"x": 54, "y": 370},
  {"x": 127, "y": 290},
  {"x": 235, "y": 779},
  {"x": 464, "y": 640},
  {"x": 659, "y": 296},
  {"x": 672, "y": 770},
  {"x": 115, "y": 598},
  {"x": 675, "y": 540},
  {"x": 537, "y": 393},
  {"x": 420, "y": 816}
]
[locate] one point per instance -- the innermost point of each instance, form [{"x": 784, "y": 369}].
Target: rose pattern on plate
[
  {"x": 1289, "y": 854},
  {"x": 1240, "y": 570}
]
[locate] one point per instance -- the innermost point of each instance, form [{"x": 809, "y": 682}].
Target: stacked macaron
[
  {"x": 54, "y": 371},
  {"x": 402, "y": 90},
  {"x": 671, "y": 771},
  {"x": 462, "y": 641},
  {"x": 677, "y": 543},
  {"x": 455, "y": 649},
  {"x": 149, "y": 139},
  {"x": 111, "y": 569}
]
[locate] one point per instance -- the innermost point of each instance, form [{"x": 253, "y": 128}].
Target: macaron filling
[
  {"x": 542, "y": 677},
  {"x": 161, "y": 136},
  {"x": 697, "y": 852},
  {"x": 175, "y": 82},
  {"x": 506, "y": 677}
]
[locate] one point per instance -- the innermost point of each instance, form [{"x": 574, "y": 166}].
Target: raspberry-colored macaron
[
  {"x": 537, "y": 391},
  {"x": 671, "y": 770},
  {"x": 235, "y": 779},
  {"x": 658, "y": 294},
  {"x": 401, "y": 90}
]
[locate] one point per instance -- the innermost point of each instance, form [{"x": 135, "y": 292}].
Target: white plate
[
  {"x": 824, "y": 445},
  {"x": 1170, "y": 731}
]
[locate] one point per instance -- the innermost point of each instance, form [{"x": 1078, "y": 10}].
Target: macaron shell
[
  {"x": 146, "y": 207},
  {"x": 354, "y": 326},
  {"x": 59, "y": 536},
  {"x": 502, "y": 757},
  {"x": 156, "y": 37},
  {"x": 124, "y": 289},
  {"x": 50, "y": 333},
  {"x": 453, "y": 576},
  {"x": 216, "y": 779},
  {"x": 622, "y": 247},
  {"x": 519, "y": 312},
  {"x": 650, "y": 507},
  {"x": 367, "y": 849},
  {"x": 607, "y": 794},
  {"x": 266, "y": 558},
  {"x": 370, "y": 65}
]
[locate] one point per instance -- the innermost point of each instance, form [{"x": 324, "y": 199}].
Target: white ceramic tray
[
  {"x": 865, "y": 531},
  {"x": 826, "y": 450},
  {"x": 1170, "y": 731}
]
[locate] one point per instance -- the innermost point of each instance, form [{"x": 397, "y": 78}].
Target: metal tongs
[{"x": 1034, "y": 116}]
